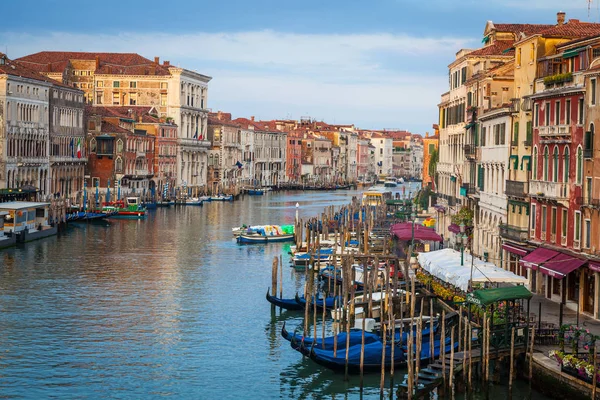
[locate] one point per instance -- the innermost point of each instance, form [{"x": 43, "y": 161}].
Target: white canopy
[{"x": 445, "y": 265}]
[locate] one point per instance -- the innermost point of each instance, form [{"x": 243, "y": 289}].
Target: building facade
[
  {"x": 24, "y": 128},
  {"x": 68, "y": 152}
]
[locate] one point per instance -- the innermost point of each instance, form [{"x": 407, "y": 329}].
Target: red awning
[
  {"x": 536, "y": 257},
  {"x": 404, "y": 231},
  {"x": 454, "y": 228},
  {"x": 561, "y": 265},
  {"x": 511, "y": 248},
  {"x": 594, "y": 265}
]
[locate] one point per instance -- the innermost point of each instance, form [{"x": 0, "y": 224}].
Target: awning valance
[
  {"x": 594, "y": 265},
  {"x": 470, "y": 125},
  {"x": 536, "y": 257},
  {"x": 561, "y": 265},
  {"x": 514, "y": 249},
  {"x": 486, "y": 297},
  {"x": 573, "y": 52}
]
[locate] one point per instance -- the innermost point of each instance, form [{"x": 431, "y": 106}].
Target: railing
[
  {"x": 551, "y": 190},
  {"x": 588, "y": 153},
  {"x": 527, "y": 142},
  {"x": 516, "y": 188},
  {"x": 515, "y": 105},
  {"x": 526, "y": 104},
  {"x": 514, "y": 143},
  {"x": 554, "y": 130},
  {"x": 470, "y": 150},
  {"x": 513, "y": 233},
  {"x": 451, "y": 201}
]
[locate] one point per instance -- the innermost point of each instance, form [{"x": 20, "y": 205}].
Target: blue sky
[{"x": 377, "y": 64}]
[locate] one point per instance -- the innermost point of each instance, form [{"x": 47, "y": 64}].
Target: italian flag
[{"x": 78, "y": 147}]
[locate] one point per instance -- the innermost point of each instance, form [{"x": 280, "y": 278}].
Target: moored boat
[
  {"x": 255, "y": 192},
  {"x": 287, "y": 304},
  {"x": 221, "y": 197},
  {"x": 194, "y": 201},
  {"x": 267, "y": 234},
  {"x": 128, "y": 208}
]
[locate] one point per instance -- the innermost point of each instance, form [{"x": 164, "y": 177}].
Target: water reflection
[{"x": 169, "y": 306}]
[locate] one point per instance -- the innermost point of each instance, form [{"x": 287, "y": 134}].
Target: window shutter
[
  {"x": 529, "y": 131},
  {"x": 516, "y": 133}
]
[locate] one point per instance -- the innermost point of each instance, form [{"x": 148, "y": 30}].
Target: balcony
[
  {"x": 470, "y": 151},
  {"x": 554, "y": 130},
  {"x": 516, "y": 189},
  {"x": 558, "y": 191},
  {"x": 527, "y": 142},
  {"x": 515, "y": 105},
  {"x": 526, "y": 104},
  {"x": 588, "y": 153},
  {"x": 514, "y": 143},
  {"x": 514, "y": 233}
]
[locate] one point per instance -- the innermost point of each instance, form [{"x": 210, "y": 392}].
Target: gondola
[
  {"x": 287, "y": 304},
  {"x": 329, "y": 301},
  {"x": 372, "y": 355}
]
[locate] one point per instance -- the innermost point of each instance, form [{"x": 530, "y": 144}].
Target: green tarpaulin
[
  {"x": 485, "y": 297},
  {"x": 573, "y": 52}
]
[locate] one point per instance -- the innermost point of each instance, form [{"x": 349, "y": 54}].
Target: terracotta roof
[
  {"x": 527, "y": 29},
  {"x": 215, "y": 121},
  {"x": 573, "y": 29},
  {"x": 107, "y": 127},
  {"x": 124, "y": 112},
  {"x": 498, "y": 48},
  {"x": 108, "y": 63},
  {"x": 15, "y": 68},
  {"x": 247, "y": 123}
]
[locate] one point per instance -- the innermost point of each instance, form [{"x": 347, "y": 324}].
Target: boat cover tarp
[
  {"x": 445, "y": 265},
  {"x": 486, "y": 297}
]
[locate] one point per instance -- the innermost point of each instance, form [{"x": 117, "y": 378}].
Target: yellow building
[{"x": 430, "y": 144}]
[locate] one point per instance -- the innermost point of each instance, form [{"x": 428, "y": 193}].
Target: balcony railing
[
  {"x": 515, "y": 105},
  {"x": 470, "y": 150},
  {"x": 526, "y": 104},
  {"x": 514, "y": 143},
  {"x": 588, "y": 153},
  {"x": 549, "y": 190},
  {"x": 513, "y": 233},
  {"x": 554, "y": 130},
  {"x": 516, "y": 188},
  {"x": 527, "y": 142}
]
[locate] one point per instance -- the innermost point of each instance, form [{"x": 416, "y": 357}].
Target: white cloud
[{"x": 387, "y": 76}]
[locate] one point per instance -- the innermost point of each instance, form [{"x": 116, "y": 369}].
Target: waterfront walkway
[{"x": 551, "y": 314}]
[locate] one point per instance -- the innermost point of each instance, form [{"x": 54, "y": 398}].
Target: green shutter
[
  {"x": 476, "y": 135},
  {"x": 516, "y": 133},
  {"x": 480, "y": 177},
  {"x": 529, "y": 131}
]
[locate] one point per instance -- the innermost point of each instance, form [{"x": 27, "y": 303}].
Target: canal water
[{"x": 170, "y": 306}]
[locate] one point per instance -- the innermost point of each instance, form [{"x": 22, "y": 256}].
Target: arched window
[
  {"x": 119, "y": 164},
  {"x": 535, "y": 163},
  {"x": 579, "y": 176},
  {"x": 566, "y": 165},
  {"x": 546, "y": 156},
  {"x": 210, "y": 160},
  {"x": 92, "y": 145},
  {"x": 119, "y": 146},
  {"x": 555, "y": 165}
]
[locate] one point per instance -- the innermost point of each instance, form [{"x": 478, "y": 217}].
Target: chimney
[
  {"x": 576, "y": 21},
  {"x": 167, "y": 63},
  {"x": 560, "y": 18},
  {"x": 426, "y": 134},
  {"x": 157, "y": 60},
  {"x": 219, "y": 115},
  {"x": 97, "y": 62},
  {"x": 49, "y": 67},
  {"x": 252, "y": 118}
]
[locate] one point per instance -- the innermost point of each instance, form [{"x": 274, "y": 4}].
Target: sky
[{"x": 378, "y": 64}]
